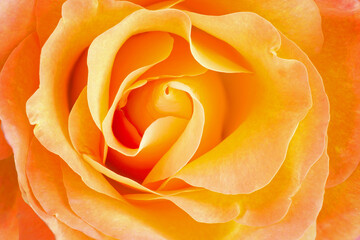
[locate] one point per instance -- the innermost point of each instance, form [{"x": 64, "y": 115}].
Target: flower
[{"x": 191, "y": 119}]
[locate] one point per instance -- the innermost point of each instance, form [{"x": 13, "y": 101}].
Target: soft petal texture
[
  {"x": 340, "y": 215},
  {"x": 185, "y": 146},
  {"x": 45, "y": 178},
  {"x": 306, "y": 205},
  {"x": 31, "y": 227},
  {"x": 299, "y": 20},
  {"x": 48, "y": 14},
  {"x": 290, "y": 105},
  {"x": 17, "y": 22},
  {"x": 215, "y": 54},
  {"x": 85, "y": 136},
  {"x": 179, "y": 63},
  {"x": 70, "y": 38},
  {"x": 135, "y": 51},
  {"x": 202, "y": 205},
  {"x": 338, "y": 63},
  {"x": 310, "y": 233},
  {"x": 9, "y": 190},
  {"x": 5, "y": 149},
  {"x": 100, "y": 211},
  {"x": 271, "y": 203},
  {"x": 15, "y": 215},
  {"x": 157, "y": 220},
  {"x": 15, "y": 88},
  {"x": 99, "y": 75}
]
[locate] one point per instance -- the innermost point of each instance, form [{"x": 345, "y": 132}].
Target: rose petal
[
  {"x": 338, "y": 64},
  {"x": 144, "y": 221},
  {"x": 15, "y": 88},
  {"x": 5, "y": 149},
  {"x": 85, "y": 136},
  {"x": 185, "y": 146},
  {"x": 310, "y": 233},
  {"x": 99, "y": 211},
  {"x": 9, "y": 226},
  {"x": 215, "y": 54},
  {"x": 30, "y": 225},
  {"x": 47, "y": 107},
  {"x": 155, "y": 100},
  {"x": 157, "y": 140},
  {"x": 340, "y": 215},
  {"x": 17, "y": 219},
  {"x": 17, "y": 22},
  {"x": 202, "y": 205},
  {"x": 163, "y": 4},
  {"x": 45, "y": 178},
  {"x": 283, "y": 104},
  {"x": 306, "y": 205},
  {"x": 299, "y": 20},
  {"x": 271, "y": 203},
  {"x": 179, "y": 63},
  {"x": 99, "y": 74},
  {"x": 78, "y": 80},
  {"x": 48, "y": 14}
]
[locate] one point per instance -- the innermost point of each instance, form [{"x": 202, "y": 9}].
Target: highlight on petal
[
  {"x": 338, "y": 63},
  {"x": 282, "y": 105}
]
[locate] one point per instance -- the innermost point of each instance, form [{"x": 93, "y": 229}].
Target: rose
[{"x": 230, "y": 117}]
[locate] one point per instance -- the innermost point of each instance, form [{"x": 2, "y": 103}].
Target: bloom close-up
[{"x": 180, "y": 120}]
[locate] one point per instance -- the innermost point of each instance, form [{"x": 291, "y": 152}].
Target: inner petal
[{"x": 156, "y": 100}]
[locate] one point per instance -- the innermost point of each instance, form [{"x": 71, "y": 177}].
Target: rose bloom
[{"x": 193, "y": 119}]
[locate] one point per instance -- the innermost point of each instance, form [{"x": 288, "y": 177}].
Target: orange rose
[{"x": 192, "y": 119}]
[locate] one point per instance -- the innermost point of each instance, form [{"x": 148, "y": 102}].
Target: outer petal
[
  {"x": 45, "y": 178},
  {"x": 17, "y": 220},
  {"x": 305, "y": 208},
  {"x": 271, "y": 203},
  {"x": 5, "y": 149},
  {"x": 48, "y": 14},
  {"x": 31, "y": 227},
  {"x": 338, "y": 64},
  {"x": 15, "y": 88},
  {"x": 340, "y": 215},
  {"x": 299, "y": 20},
  {"x": 9, "y": 226},
  {"x": 17, "y": 21},
  {"x": 47, "y": 107},
  {"x": 233, "y": 166}
]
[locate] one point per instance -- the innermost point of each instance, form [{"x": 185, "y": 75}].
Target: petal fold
[{"x": 280, "y": 108}]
